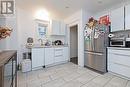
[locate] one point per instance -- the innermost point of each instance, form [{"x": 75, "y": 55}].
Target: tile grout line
[
  {"x": 89, "y": 80},
  {"x": 108, "y": 82},
  {"x": 126, "y": 83}
]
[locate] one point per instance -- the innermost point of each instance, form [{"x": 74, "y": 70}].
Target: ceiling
[{"x": 64, "y": 8}]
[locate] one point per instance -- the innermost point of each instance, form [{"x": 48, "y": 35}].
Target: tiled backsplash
[{"x": 122, "y": 33}]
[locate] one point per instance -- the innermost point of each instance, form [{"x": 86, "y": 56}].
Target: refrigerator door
[
  {"x": 101, "y": 42},
  {"x": 95, "y": 61},
  {"x": 89, "y": 44}
]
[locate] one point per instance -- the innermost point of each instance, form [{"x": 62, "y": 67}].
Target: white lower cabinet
[
  {"x": 49, "y": 56},
  {"x": 59, "y": 55},
  {"x": 119, "y": 62},
  {"x": 38, "y": 57},
  {"x": 66, "y": 54}
]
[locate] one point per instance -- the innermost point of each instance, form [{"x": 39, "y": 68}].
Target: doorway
[{"x": 74, "y": 44}]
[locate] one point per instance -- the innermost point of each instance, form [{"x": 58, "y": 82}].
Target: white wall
[
  {"x": 80, "y": 18},
  {"x": 3, "y": 41},
  {"x": 74, "y": 41},
  {"x": 27, "y": 28},
  {"x": 12, "y": 43},
  {"x": 24, "y": 26},
  {"x": 9, "y": 43}
]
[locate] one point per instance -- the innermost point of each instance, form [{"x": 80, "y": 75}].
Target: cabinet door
[
  {"x": 55, "y": 27},
  {"x": 49, "y": 56},
  {"x": 37, "y": 57},
  {"x": 62, "y": 28},
  {"x": 117, "y": 19},
  {"x": 127, "y": 19},
  {"x": 66, "y": 54}
]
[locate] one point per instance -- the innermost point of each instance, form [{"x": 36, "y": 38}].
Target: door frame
[
  {"x": 76, "y": 38},
  {"x": 68, "y": 38}
]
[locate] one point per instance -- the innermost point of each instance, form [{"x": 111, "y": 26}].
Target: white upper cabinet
[
  {"x": 127, "y": 17},
  {"x": 58, "y": 27},
  {"x": 117, "y": 19},
  {"x": 55, "y": 27},
  {"x": 62, "y": 28}
]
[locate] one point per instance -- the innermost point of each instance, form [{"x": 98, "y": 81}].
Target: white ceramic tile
[
  {"x": 44, "y": 79},
  {"x": 71, "y": 76},
  {"x": 101, "y": 80},
  {"x": 47, "y": 73},
  {"x": 85, "y": 78},
  {"x": 93, "y": 73},
  {"x": 110, "y": 85},
  {"x": 35, "y": 83},
  {"x": 22, "y": 77},
  {"x": 128, "y": 84},
  {"x": 20, "y": 85},
  {"x": 32, "y": 77},
  {"x": 72, "y": 84},
  {"x": 54, "y": 83},
  {"x": 92, "y": 84},
  {"x": 109, "y": 75},
  {"x": 117, "y": 82},
  {"x": 59, "y": 74}
]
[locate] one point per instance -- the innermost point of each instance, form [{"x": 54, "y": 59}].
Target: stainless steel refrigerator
[{"x": 95, "y": 48}]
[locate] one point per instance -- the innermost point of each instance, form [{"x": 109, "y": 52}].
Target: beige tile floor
[{"x": 69, "y": 75}]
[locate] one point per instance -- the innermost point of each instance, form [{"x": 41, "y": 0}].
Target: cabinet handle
[
  {"x": 58, "y": 49},
  {"x": 58, "y": 55},
  {"x": 122, "y": 65}
]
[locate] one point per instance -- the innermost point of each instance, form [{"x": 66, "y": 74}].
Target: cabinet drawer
[
  {"x": 58, "y": 59},
  {"x": 119, "y": 69},
  {"x": 58, "y": 52},
  {"x": 123, "y": 52},
  {"x": 119, "y": 58}
]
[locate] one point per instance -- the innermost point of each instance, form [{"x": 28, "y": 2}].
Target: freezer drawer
[{"x": 95, "y": 61}]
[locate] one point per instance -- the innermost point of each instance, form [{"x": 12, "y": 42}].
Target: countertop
[
  {"x": 119, "y": 48},
  {"x": 5, "y": 56},
  {"x": 53, "y": 46}
]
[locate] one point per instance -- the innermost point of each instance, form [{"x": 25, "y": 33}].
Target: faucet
[{"x": 40, "y": 40}]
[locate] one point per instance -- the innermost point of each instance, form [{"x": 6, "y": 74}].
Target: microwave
[{"x": 118, "y": 42}]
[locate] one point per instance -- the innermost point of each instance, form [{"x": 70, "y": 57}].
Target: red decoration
[{"x": 104, "y": 20}]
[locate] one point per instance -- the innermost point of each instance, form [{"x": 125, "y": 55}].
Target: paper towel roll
[{"x": 111, "y": 35}]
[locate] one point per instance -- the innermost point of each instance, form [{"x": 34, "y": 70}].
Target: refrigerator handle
[
  {"x": 94, "y": 53},
  {"x": 92, "y": 41},
  {"x": 93, "y": 44}
]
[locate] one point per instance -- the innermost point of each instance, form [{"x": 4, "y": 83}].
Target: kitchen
[{"x": 49, "y": 44}]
